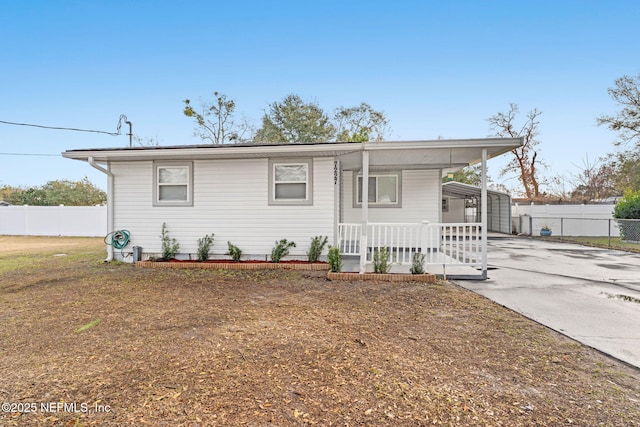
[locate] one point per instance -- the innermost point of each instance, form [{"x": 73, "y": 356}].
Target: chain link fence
[
  {"x": 566, "y": 226},
  {"x": 629, "y": 230}
]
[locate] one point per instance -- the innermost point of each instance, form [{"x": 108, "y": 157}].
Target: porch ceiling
[
  {"x": 440, "y": 154},
  {"x": 463, "y": 191}
]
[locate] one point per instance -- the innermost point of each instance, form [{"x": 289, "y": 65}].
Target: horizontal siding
[
  {"x": 420, "y": 199},
  {"x": 230, "y": 200}
]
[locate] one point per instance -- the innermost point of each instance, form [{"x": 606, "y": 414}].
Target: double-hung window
[
  {"x": 384, "y": 189},
  {"x": 173, "y": 184},
  {"x": 290, "y": 182}
]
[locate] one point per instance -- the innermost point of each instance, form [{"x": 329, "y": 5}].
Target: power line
[
  {"x": 30, "y": 154},
  {"x": 116, "y": 133}
]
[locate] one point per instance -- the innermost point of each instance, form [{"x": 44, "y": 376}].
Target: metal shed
[{"x": 461, "y": 203}]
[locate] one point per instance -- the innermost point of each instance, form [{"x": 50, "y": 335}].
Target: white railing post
[
  {"x": 425, "y": 244},
  {"x": 452, "y": 244}
]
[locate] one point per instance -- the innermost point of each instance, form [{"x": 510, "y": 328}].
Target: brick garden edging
[
  {"x": 235, "y": 265},
  {"x": 350, "y": 277},
  {"x": 353, "y": 277}
]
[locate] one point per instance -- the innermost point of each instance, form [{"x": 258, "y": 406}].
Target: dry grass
[
  {"x": 188, "y": 347},
  {"x": 30, "y": 246},
  {"x": 602, "y": 242}
]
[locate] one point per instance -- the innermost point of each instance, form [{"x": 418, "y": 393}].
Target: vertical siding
[
  {"x": 420, "y": 199},
  {"x": 230, "y": 200}
]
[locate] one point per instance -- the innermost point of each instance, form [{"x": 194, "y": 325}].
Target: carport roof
[{"x": 460, "y": 190}]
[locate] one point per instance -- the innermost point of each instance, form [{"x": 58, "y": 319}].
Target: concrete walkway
[{"x": 591, "y": 295}]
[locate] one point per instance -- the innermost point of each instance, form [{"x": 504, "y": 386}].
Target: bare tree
[
  {"x": 594, "y": 180},
  {"x": 627, "y": 122},
  {"x": 145, "y": 141},
  {"x": 215, "y": 123},
  {"x": 525, "y": 160}
]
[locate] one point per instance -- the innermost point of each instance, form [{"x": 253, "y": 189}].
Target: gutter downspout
[{"x": 109, "y": 174}]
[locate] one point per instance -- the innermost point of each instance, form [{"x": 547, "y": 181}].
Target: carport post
[
  {"x": 365, "y": 211},
  {"x": 483, "y": 213}
]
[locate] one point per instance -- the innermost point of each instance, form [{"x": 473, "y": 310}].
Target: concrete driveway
[{"x": 591, "y": 295}]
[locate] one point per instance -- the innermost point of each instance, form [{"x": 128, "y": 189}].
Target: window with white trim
[
  {"x": 173, "y": 184},
  {"x": 290, "y": 182},
  {"x": 384, "y": 190}
]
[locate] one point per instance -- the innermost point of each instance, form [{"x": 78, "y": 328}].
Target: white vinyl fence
[
  {"x": 53, "y": 220},
  {"x": 565, "y": 220}
]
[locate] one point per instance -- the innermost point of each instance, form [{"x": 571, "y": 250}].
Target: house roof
[
  {"x": 463, "y": 191},
  {"x": 435, "y": 154}
]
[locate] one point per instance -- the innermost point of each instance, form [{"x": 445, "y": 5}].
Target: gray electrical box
[{"x": 137, "y": 253}]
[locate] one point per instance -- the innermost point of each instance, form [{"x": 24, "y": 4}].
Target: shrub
[
  {"x": 335, "y": 259},
  {"x": 417, "y": 263},
  {"x": 316, "y": 248},
  {"x": 170, "y": 246},
  {"x": 381, "y": 260},
  {"x": 234, "y": 252},
  {"x": 204, "y": 247},
  {"x": 281, "y": 250},
  {"x": 628, "y": 207}
]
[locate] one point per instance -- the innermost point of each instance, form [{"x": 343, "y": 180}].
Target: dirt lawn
[{"x": 83, "y": 343}]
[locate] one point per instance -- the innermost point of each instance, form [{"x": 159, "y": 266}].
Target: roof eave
[{"x": 496, "y": 146}]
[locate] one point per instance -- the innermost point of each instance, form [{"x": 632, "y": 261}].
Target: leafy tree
[
  {"x": 626, "y": 93},
  {"x": 360, "y": 124},
  {"x": 525, "y": 160},
  {"x": 53, "y": 193},
  {"x": 5, "y": 192},
  {"x": 216, "y": 123},
  {"x": 293, "y": 121},
  {"x": 471, "y": 175}
]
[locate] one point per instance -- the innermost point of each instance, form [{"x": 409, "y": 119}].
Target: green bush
[
  {"x": 170, "y": 246},
  {"x": 381, "y": 260},
  {"x": 234, "y": 252},
  {"x": 316, "y": 248},
  {"x": 628, "y": 207},
  {"x": 417, "y": 263},
  {"x": 204, "y": 247},
  {"x": 335, "y": 259},
  {"x": 281, "y": 250}
]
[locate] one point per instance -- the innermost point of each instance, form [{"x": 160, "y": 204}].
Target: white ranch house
[{"x": 361, "y": 195}]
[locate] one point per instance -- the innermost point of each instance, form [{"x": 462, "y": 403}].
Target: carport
[{"x": 461, "y": 203}]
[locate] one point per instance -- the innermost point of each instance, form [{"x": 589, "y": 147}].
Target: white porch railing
[{"x": 442, "y": 244}]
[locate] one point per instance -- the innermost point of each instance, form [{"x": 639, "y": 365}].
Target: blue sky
[{"x": 436, "y": 68}]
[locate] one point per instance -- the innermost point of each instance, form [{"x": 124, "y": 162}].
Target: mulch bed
[{"x": 236, "y": 265}]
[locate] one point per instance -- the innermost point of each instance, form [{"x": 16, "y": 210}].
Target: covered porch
[{"x": 453, "y": 249}]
